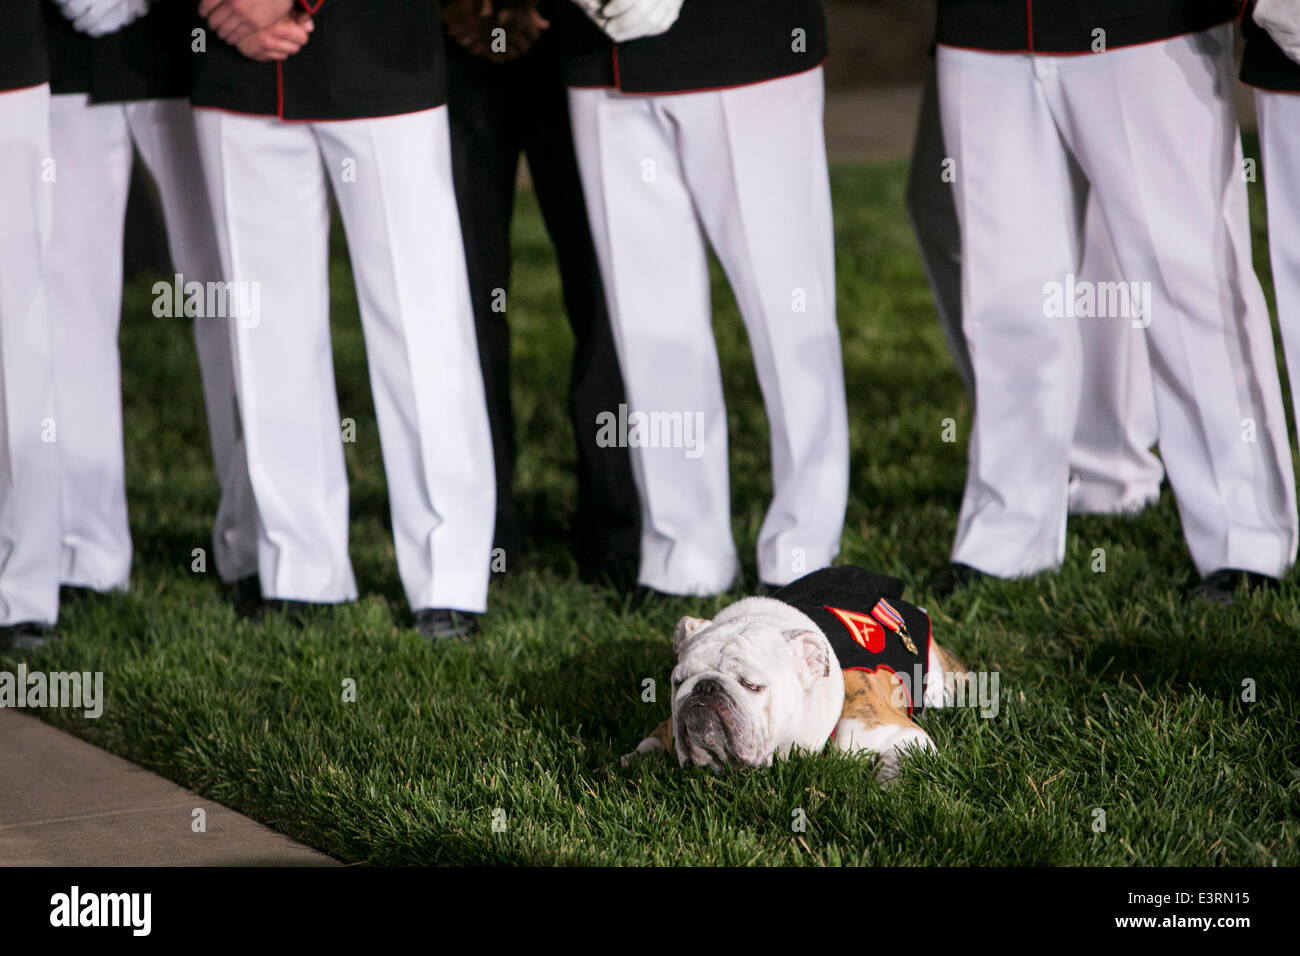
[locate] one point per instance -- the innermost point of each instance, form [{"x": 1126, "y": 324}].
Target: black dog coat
[{"x": 867, "y": 623}]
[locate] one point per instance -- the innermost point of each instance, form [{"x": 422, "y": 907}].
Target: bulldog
[{"x": 836, "y": 657}]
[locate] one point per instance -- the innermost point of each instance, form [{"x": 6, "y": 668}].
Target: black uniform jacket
[
  {"x": 1066, "y": 26},
  {"x": 1263, "y": 63},
  {"x": 23, "y": 60},
  {"x": 713, "y": 44},
  {"x": 148, "y": 59},
  {"x": 859, "y": 613},
  {"x": 366, "y": 58}
]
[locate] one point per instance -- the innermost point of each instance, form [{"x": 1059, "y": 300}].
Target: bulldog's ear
[
  {"x": 811, "y": 656},
  {"x": 686, "y": 629}
]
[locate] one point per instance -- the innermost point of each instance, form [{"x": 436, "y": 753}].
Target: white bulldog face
[{"x": 749, "y": 687}]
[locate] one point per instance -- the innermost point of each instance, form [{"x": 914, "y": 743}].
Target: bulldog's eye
[{"x": 755, "y": 688}]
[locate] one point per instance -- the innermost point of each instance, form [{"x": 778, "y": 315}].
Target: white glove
[
  {"x": 631, "y": 19},
  {"x": 624, "y": 20},
  {"x": 98, "y": 18},
  {"x": 1281, "y": 18}
]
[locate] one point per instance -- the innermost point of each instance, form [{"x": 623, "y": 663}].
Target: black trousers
[{"x": 498, "y": 111}]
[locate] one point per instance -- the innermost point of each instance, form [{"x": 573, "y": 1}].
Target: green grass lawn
[{"x": 1117, "y": 693}]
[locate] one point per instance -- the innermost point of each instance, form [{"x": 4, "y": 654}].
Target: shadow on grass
[{"x": 595, "y": 695}]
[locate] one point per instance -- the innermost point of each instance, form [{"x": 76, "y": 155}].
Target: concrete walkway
[{"x": 64, "y": 802}]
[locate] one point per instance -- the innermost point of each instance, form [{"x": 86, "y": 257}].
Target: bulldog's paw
[
  {"x": 648, "y": 746},
  {"x": 902, "y": 745},
  {"x": 890, "y": 742}
]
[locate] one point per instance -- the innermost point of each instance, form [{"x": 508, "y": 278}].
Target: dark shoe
[
  {"x": 70, "y": 595},
  {"x": 955, "y": 577},
  {"x": 607, "y": 553},
  {"x": 245, "y": 595},
  {"x": 437, "y": 623},
  {"x": 616, "y": 572},
  {"x": 293, "y": 612},
  {"x": 1222, "y": 586},
  {"x": 26, "y": 637}
]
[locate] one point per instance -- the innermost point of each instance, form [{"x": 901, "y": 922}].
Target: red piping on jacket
[
  {"x": 702, "y": 89},
  {"x": 20, "y": 89},
  {"x": 1122, "y": 46},
  {"x": 345, "y": 119}
]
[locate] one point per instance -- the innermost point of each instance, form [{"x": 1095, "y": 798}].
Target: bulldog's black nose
[{"x": 706, "y": 687}]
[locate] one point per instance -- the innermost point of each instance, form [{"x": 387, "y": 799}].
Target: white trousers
[
  {"x": 1279, "y": 135},
  {"x": 746, "y": 168},
  {"x": 269, "y": 184},
  {"x": 1152, "y": 130},
  {"x": 93, "y": 151},
  {"x": 29, "y": 448},
  {"x": 1112, "y": 467}
]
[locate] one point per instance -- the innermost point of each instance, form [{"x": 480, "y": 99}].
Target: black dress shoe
[
  {"x": 437, "y": 623},
  {"x": 606, "y": 556},
  {"x": 245, "y": 595},
  {"x": 293, "y": 612},
  {"x": 617, "y": 573},
  {"x": 25, "y": 637},
  {"x": 955, "y": 577},
  {"x": 1221, "y": 586},
  {"x": 70, "y": 595}
]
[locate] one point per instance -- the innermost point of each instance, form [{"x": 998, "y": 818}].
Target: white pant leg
[
  {"x": 1155, "y": 131},
  {"x": 1019, "y": 205},
  {"x": 92, "y": 154},
  {"x": 163, "y": 131},
  {"x": 754, "y": 160},
  {"x": 30, "y": 518},
  {"x": 1279, "y": 133},
  {"x": 403, "y": 232},
  {"x": 655, "y": 270},
  {"x": 1112, "y": 466},
  {"x": 271, "y": 210}
]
